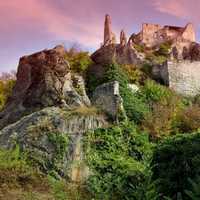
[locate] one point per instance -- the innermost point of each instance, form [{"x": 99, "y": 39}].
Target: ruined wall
[
  {"x": 154, "y": 34},
  {"x": 149, "y": 33},
  {"x": 189, "y": 33},
  {"x": 183, "y": 77}
]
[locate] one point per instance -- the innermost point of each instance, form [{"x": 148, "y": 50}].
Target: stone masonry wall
[{"x": 183, "y": 77}]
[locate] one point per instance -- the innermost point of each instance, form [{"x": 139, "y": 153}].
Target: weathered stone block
[{"x": 107, "y": 97}]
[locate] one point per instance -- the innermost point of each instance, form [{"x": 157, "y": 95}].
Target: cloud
[
  {"x": 23, "y": 13},
  {"x": 183, "y": 9}
]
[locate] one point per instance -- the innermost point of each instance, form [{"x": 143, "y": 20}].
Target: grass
[{"x": 86, "y": 111}]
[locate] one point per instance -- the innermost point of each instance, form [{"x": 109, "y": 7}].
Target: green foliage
[
  {"x": 117, "y": 158},
  {"x": 134, "y": 104},
  {"x": 134, "y": 74},
  {"x": 58, "y": 189},
  {"x": 156, "y": 59},
  {"x": 155, "y": 92},
  {"x": 174, "y": 161},
  {"x": 139, "y": 48},
  {"x": 5, "y": 91},
  {"x": 60, "y": 143},
  {"x": 163, "y": 49},
  {"x": 79, "y": 60},
  {"x": 15, "y": 170},
  {"x": 188, "y": 120},
  {"x": 147, "y": 189},
  {"x": 165, "y": 107},
  {"x": 194, "y": 193},
  {"x": 161, "y": 55},
  {"x": 146, "y": 68}
]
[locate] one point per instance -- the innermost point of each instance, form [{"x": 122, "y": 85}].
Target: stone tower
[
  {"x": 123, "y": 38},
  {"x": 109, "y": 37}
]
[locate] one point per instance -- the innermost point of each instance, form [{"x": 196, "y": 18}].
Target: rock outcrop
[
  {"x": 107, "y": 98},
  {"x": 109, "y": 36},
  {"x": 117, "y": 53},
  {"x": 43, "y": 79},
  {"x": 52, "y": 137},
  {"x": 48, "y": 114},
  {"x": 123, "y": 38},
  {"x": 110, "y": 51}
]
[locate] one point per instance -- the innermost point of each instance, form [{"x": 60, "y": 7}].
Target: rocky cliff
[
  {"x": 49, "y": 112},
  {"x": 44, "y": 79},
  {"x": 52, "y": 138}
]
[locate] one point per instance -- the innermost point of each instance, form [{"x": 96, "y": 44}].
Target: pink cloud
[
  {"x": 57, "y": 23},
  {"x": 184, "y": 9}
]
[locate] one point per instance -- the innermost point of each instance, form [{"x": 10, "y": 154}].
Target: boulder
[
  {"x": 107, "y": 98},
  {"x": 52, "y": 138},
  {"x": 43, "y": 79}
]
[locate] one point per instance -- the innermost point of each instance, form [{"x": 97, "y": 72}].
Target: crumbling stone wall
[{"x": 183, "y": 76}]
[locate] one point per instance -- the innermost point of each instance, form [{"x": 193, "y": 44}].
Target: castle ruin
[
  {"x": 181, "y": 72},
  {"x": 154, "y": 34}
]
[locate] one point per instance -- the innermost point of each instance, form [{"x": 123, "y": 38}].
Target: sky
[{"x": 27, "y": 26}]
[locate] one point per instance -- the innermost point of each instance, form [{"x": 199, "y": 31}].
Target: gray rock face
[
  {"x": 43, "y": 134},
  {"x": 43, "y": 79},
  {"x": 107, "y": 97}
]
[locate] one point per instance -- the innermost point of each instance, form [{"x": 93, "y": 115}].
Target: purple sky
[{"x": 27, "y": 26}]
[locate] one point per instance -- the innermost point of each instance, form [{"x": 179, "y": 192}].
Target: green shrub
[
  {"x": 58, "y": 189},
  {"x": 146, "y": 68},
  {"x": 154, "y": 92},
  {"x": 6, "y": 88},
  {"x": 174, "y": 161},
  {"x": 160, "y": 121},
  {"x": 139, "y": 48},
  {"x": 156, "y": 59},
  {"x": 79, "y": 60},
  {"x": 167, "y": 108},
  {"x": 161, "y": 55},
  {"x": 15, "y": 170},
  {"x": 60, "y": 143},
  {"x": 188, "y": 120},
  {"x": 163, "y": 49},
  {"x": 116, "y": 157},
  {"x": 134, "y": 74},
  {"x": 134, "y": 104},
  {"x": 194, "y": 192}
]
